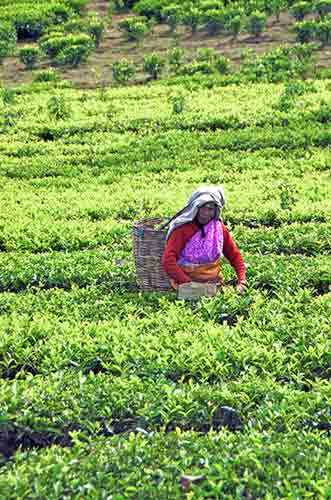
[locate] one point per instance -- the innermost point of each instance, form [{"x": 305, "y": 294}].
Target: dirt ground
[{"x": 114, "y": 46}]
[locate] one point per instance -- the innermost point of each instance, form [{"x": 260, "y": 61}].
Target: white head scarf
[{"x": 204, "y": 194}]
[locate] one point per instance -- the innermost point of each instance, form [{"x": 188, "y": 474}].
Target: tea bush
[
  {"x": 73, "y": 55},
  {"x": 176, "y": 57},
  {"x": 135, "y": 28},
  {"x": 7, "y": 39},
  {"x": 256, "y": 23},
  {"x": 172, "y": 15},
  {"x": 191, "y": 17},
  {"x": 150, "y": 8},
  {"x": 305, "y": 31},
  {"x": 29, "y": 56},
  {"x": 323, "y": 7},
  {"x": 123, "y": 71},
  {"x": 214, "y": 21},
  {"x": 101, "y": 384},
  {"x": 68, "y": 49},
  {"x": 31, "y": 21},
  {"x": 47, "y": 75},
  {"x": 153, "y": 65},
  {"x": 300, "y": 9},
  {"x": 93, "y": 26}
]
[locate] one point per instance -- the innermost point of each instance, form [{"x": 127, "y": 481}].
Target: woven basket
[{"x": 149, "y": 243}]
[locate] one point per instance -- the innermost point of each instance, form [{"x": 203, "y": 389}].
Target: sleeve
[
  {"x": 175, "y": 244},
  {"x": 233, "y": 255}
]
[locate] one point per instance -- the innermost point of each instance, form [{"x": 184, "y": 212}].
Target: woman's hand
[{"x": 241, "y": 287}]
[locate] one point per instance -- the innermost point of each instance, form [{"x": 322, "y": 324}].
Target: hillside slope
[{"x": 114, "y": 47}]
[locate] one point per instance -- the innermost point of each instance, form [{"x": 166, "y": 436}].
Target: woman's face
[{"x": 206, "y": 213}]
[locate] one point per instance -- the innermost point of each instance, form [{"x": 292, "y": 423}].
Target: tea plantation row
[{"x": 110, "y": 393}]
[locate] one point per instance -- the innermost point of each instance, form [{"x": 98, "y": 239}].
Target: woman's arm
[{"x": 232, "y": 253}]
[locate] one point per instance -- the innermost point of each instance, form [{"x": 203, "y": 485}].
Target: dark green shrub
[
  {"x": 153, "y": 65},
  {"x": 323, "y": 31},
  {"x": 304, "y": 58},
  {"x": 233, "y": 26},
  {"x": 173, "y": 16},
  {"x": 191, "y": 17},
  {"x": 256, "y": 23},
  {"x": 29, "y": 56},
  {"x": 151, "y": 8},
  {"x": 305, "y": 31},
  {"x": 8, "y": 95},
  {"x": 291, "y": 90},
  {"x": 31, "y": 21},
  {"x": 178, "y": 103},
  {"x": 92, "y": 26},
  {"x": 96, "y": 28},
  {"x": 323, "y": 7},
  {"x": 196, "y": 67},
  {"x": 175, "y": 58},
  {"x": 58, "y": 107},
  {"x": 73, "y": 55},
  {"x": 280, "y": 64},
  {"x": 214, "y": 21},
  {"x": 78, "y": 5},
  {"x": 47, "y": 75},
  {"x": 123, "y": 71},
  {"x": 206, "y": 54},
  {"x": 60, "y": 13},
  {"x": 323, "y": 113},
  {"x": 135, "y": 28},
  {"x": 56, "y": 43},
  {"x": 7, "y": 39},
  {"x": 300, "y": 9},
  {"x": 222, "y": 64}
]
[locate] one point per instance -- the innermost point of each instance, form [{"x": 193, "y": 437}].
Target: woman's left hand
[{"x": 241, "y": 287}]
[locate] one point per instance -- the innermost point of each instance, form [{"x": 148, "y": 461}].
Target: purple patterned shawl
[{"x": 204, "y": 250}]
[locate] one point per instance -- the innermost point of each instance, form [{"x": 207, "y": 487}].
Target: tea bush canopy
[
  {"x": 96, "y": 374},
  {"x": 107, "y": 392}
]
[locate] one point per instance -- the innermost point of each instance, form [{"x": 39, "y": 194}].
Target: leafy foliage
[
  {"x": 123, "y": 71},
  {"x": 29, "y": 56},
  {"x": 135, "y": 28},
  {"x": 106, "y": 391},
  {"x": 300, "y": 9},
  {"x": 153, "y": 65},
  {"x": 7, "y": 39},
  {"x": 256, "y": 23}
]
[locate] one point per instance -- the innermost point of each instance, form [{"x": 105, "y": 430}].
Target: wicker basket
[{"x": 149, "y": 243}]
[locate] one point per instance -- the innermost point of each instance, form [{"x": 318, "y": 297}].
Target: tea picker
[{"x": 187, "y": 257}]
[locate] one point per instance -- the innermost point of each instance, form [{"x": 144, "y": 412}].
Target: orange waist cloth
[{"x": 210, "y": 272}]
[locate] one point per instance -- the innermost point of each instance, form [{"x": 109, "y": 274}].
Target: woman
[{"x": 196, "y": 240}]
